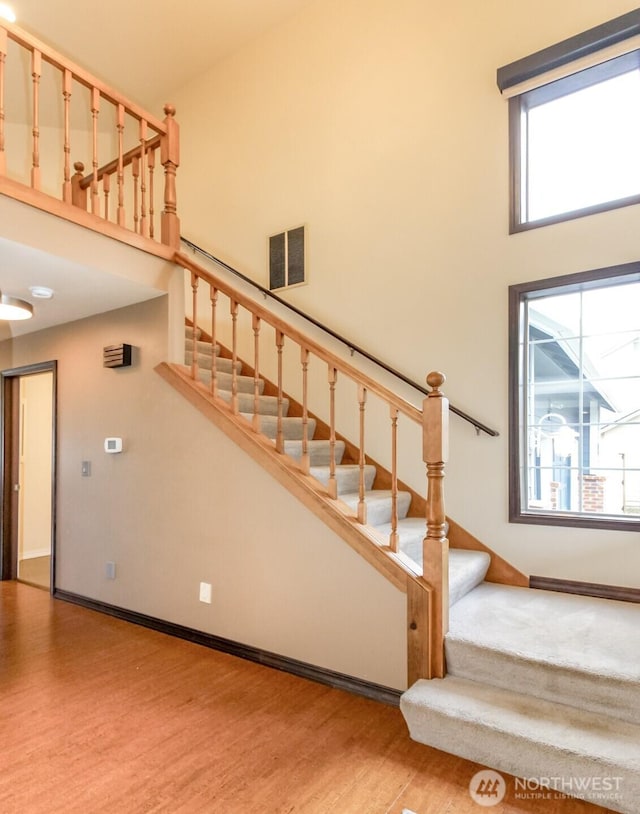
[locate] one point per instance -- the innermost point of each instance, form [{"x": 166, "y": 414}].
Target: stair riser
[
  {"x": 291, "y": 426},
  {"x": 519, "y": 756},
  {"x": 347, "y": 477},
  {"x": 267, "y": 405},
  {"x": 224, "y": 381},
  {"x": 563, "y": 685},
  {"x": 319, "y": 451},
  {"x": 223, "y": 365},
  {"x": 379, "y": 508}
]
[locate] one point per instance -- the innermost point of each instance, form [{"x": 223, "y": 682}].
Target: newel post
[
  {"x": 428, "y": 596},
  {"x": 435, "y": 567},
  {"x": 170, "y": 160},
  {"x": 78, "y": 192}
]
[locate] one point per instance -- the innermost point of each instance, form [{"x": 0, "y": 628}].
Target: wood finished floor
[{"x": 98, "y": 716}]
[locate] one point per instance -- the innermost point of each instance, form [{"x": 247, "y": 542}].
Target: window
[
  {"x": 574, "y": 116},
  {"x": 575, "y": 400},
  {"x": 575, "y": 144}
]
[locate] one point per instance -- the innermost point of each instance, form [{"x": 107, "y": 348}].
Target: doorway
[{"x": 29, "y": 443}]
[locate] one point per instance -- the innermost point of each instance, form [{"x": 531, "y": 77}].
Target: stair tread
[
  {"x": 347, "y": 476},
  {"x": 319, "y": 450},
  {"x": 555, "y": 646},
  {"x": 378, "y": 502},
  {"x": 579, "y": 632}
]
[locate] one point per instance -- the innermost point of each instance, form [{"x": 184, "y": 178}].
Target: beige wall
[
  {"x": 183, "y": 505},
  {"x": 378, "y": 123}
]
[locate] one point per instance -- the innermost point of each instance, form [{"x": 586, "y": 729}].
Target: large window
[
  {"x": 574, "y": 119},
  {"x": 575, "y": 399}
]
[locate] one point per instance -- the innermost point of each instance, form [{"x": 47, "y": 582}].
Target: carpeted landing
[{"x": 542, "y": 685}]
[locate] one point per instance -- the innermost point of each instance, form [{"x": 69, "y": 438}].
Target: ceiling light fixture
[
  {"x": 7, "y": 13},
  {"x": 13, "y": 308},
  {"x": 41, "y": 292}
]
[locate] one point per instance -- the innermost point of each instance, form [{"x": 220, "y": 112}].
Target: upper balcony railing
[{"x": 55, "y": 117}]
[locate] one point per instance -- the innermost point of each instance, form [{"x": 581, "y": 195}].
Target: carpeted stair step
[
  {"x": 245, "y": 384},
  {"x": 412, "y": 531},
  {"x": 378, "y": 505},
  {"x": 267, "y": 405},
  {"x": 205, "y": 362},
  {"x": 347, "y": 477},
  {"x": 319, "y": 450},
  {"x": 528, "y": 737},
  {"x": 291, "y": 426},
  {"x": 560, "y": 647}
]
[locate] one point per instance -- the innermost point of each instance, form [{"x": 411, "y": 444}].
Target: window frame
[
  {"x": 517, "y": 295},
  {"x": 522, "y": 103}
]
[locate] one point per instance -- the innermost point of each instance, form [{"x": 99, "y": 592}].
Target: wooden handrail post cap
[{"x": 436, "y": 421}]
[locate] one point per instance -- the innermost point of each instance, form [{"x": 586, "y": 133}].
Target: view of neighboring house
[{"x": 584, "y": 449}]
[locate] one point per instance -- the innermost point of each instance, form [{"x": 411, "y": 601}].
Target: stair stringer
[{"x": 395, "y": 567}]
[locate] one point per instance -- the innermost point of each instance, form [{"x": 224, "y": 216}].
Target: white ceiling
[{"x": 144, "y": 49}]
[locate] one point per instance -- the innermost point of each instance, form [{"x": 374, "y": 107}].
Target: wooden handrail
[
  {"x": 83, "y": 76},
  {"x": 351, "y": 346},
  {"x": 427, "y": 594},
  {"x": 127, "y": 159},
  {"x": 410, "y": 410}
]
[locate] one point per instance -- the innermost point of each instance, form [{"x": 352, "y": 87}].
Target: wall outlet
[
  {"x": 110, "y": 570},
  {"x": 205, "y": 592}
]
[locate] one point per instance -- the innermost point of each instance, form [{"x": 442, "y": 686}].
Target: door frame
[{"x": 9, "y": 460}]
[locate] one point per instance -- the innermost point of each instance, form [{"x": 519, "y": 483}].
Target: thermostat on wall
[{"x": 113, "y": 444}]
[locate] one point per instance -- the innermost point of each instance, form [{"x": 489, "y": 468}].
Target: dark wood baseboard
[
  {"x": 340, "y": 681},
  {"x": 568, "y": 586}
]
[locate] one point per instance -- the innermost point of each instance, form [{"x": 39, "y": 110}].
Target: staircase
[
  {"x": 540, "y": 685},
  {"x": 467, "y": 568}
]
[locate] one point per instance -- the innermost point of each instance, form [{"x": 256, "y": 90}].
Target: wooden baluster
[
  {"x": 332, "y": 486},
  {"x": 78, "y": 192},
  {"x": 256, "y": 322},
  {"x": 305, "y": 461},
  {"x": 135, "y": 172},
  {"x": 213, "y": 294},
  {"x": 435, "y": 567},
  {"x": 170, "y": 160},
  {"x": 121, "y": 220},
  {"x": 394, "y": 537},
  {"x": 4, "y": 42},
  {"x": 152, "y": 165},
  {"x": 362, "y": 504},
  {"x": 67, "y": 195},
  {"x": 144, "y": 225},
  {"x": 95, "y": 112},
  {"x": 234, "y": 355},
  {"x": 279, "y": 430},
  {"x": 36, "y": 73},
  {"x": 106, "y": 188},
  {"x": 194, "y": 319}
]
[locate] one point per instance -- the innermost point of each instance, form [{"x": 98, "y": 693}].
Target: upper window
[
  {"x": 574, "y": 116},
  {"x": 575, "y": 399},
  {"x": 575, "y": 144}
]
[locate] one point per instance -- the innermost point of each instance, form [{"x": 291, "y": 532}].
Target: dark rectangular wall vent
[{"x": 287, "y": 258}]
